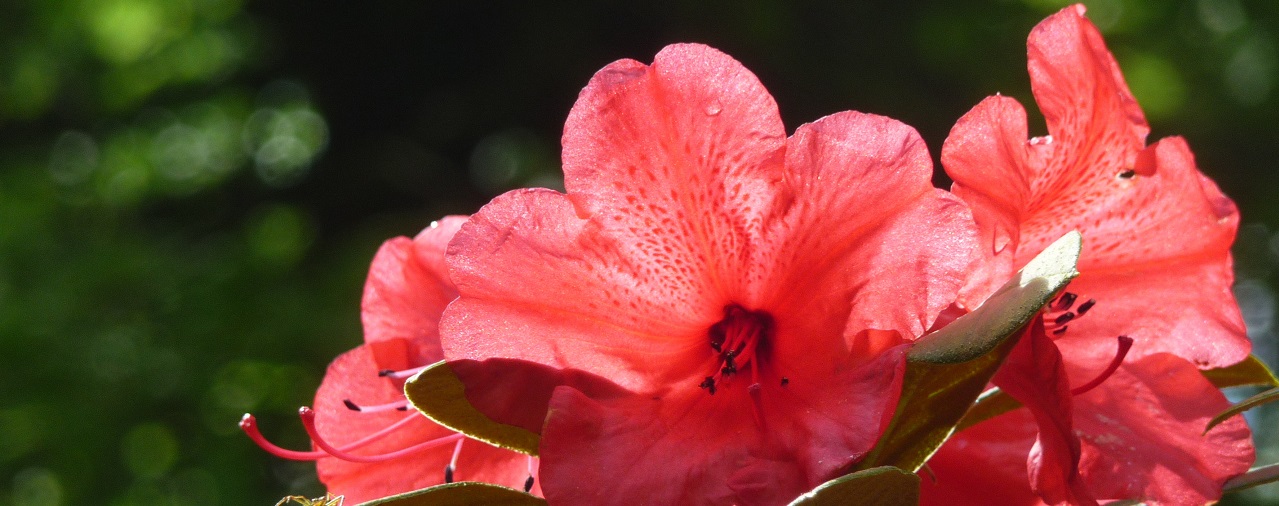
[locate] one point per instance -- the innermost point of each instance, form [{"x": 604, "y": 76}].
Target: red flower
[
  {"x": 362, "y": 394},
  {"x": 1155, "y": 266},
  {"x": 713, "y": 313}
]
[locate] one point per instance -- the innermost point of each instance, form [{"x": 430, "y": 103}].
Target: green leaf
[
  {"x": 466, "y": 493},
  {"x": 880, "y": 486},
  {"x": 1255, "y": 476},
  {"x": 991, "y": 403},
  {"x": 440, "y": 395},
  {"x": 948, "y": 369},
  {"x": 1266, "y": 397},
  {"x": 1250, "y": 372}
]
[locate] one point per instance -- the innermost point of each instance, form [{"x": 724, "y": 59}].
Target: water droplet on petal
[
  {"x": 1045, "y": 140},
  {"x": 1001, "y": 241},
  {"x": 713, "y": 109}
]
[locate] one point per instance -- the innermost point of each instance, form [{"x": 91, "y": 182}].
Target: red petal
[
  {"x": 689, "y": 447},
  {"x": 1033, "y": 374},
  {"x": 687, "y": 150},
  {"x": 1141, "y": 433},
  {"x": 541, "y": 284},
  {"x": 353, "y": 376},
  {"x": 1097, "y": 127},
  {"x": 983, "y": 465},
  {"x": 407, "y": 289},
  {"x": 861, "y": 224},
  {"x": 986, "y": 154}
]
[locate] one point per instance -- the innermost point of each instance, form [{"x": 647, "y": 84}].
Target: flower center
[{"x": 737, "y": 340}]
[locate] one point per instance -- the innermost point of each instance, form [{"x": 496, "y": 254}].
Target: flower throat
[{"x": 738, "y": 340}]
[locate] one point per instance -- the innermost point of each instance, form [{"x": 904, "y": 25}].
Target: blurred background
[{"x": 191, "y": 190}]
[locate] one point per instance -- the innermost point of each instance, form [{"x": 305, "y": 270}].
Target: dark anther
[
  {"x": 708, "y": 384},
  {"x": 528, "y": 484},
  {"x": 402, "y": 408},
  {"x": 1127, "y": 174},
  {"x": 351, "y": 405},
  {"x": 1060, "y": 331},
  {"x": 1066, "y": 300},
  {"x": 785, "y": 381},
  {"x": 1083, "y": 308},
  {"x": 1065, "y": 317},
  {"x": 448, "y": 473},
  {"x": 385, "y": 372}
]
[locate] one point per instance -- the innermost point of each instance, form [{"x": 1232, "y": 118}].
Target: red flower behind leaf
[
  {"x": 362, "y": 394},
  {"x": 1155, "y": 266},
  {"x": 714, "y": 312}
]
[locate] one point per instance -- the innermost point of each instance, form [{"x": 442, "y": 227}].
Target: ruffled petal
[
  {"x": 862, "y": 240},
  {"x": 987, "y": 156},
  {"x": 1096, "y": 126},
  {"x": 353, "y": 376},
  {"x": 1142, "y": 435},
  {"x": 620, "y": 450},
  {"x": 541, "y": 284},
  {"x": 678, "y": 160},
  {"x": 407, "y": 289}
]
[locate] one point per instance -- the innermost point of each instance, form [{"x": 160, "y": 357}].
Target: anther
[
  {"x": 407, "y": 373},
  {"x": 1064, "y": 318},
  {"x": 386, "y": 372},
  {"x": 1061, "y": 330},
  {"x": 1066, "y": 300},
  {"x": 350, "y": 405},
  {"x": 708, "y": 384},
  {"x": 1083, "y": 308},
  {"x": 1127, "y": 174},
  {"x": 1125, "y": 343},
  {"x": 785, "y": 381},
  {"x": 448, "y": 473},
  {"x": 528, "y": 484}
]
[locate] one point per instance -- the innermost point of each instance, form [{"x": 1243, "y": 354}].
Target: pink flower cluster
[{"x": 717, "y": 313}]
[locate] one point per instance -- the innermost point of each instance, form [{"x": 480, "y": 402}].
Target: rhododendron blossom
[
  {"x": 714, "y": 313},
  {"x": 369, "y": 444},
  {"x": 1155, "y": 269}
]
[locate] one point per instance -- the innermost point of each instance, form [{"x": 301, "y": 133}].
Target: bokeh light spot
[{"x": 150, "y": 449}]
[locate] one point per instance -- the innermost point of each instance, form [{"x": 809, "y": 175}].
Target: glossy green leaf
[
  {"x": 880, "y": 486},
  {"x": 948, "y": 369},
  {"x": 466, "y": 493},
  {"x": 440, "y": 395},
  {"x": 1266, "y": 397},
  {"x": 1255, "y": 476},
  {"x": 1250, "y": 372}
]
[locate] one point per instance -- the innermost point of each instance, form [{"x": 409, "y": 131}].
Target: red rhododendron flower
[
  {"x": 1155, "y": 266},
  {"x": 369, "y": 443},
  {"x": 714, "y": 313}
]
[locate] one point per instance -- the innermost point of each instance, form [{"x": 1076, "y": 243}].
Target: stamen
[
  {"x": 402, "y": 405},
  {"x": 308, "y": 422},
  {"x": 407, "y": 373},
  {"x": 448, "y": 470},
  {"x": 1083, "y": 308},
  {"x": 708, "y": 384},
  {"x": 1061, "y": 330},
  {"x": 1125, "y": 343},
  {"x": 785, "y": 381},
  {"x": 1064, "y": 318},
  {"x": 249, "y": 425},
  {"x": 1127, "y": 174}
]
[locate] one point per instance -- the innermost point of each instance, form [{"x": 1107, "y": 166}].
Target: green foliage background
[{"x": 191, "y": 190}]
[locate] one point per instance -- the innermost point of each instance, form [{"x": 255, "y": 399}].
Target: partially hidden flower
[
  {"x": 368, "y": 442},
  {"x": 1155, "y": 274},
  {"x": 714, "y": 313}
]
